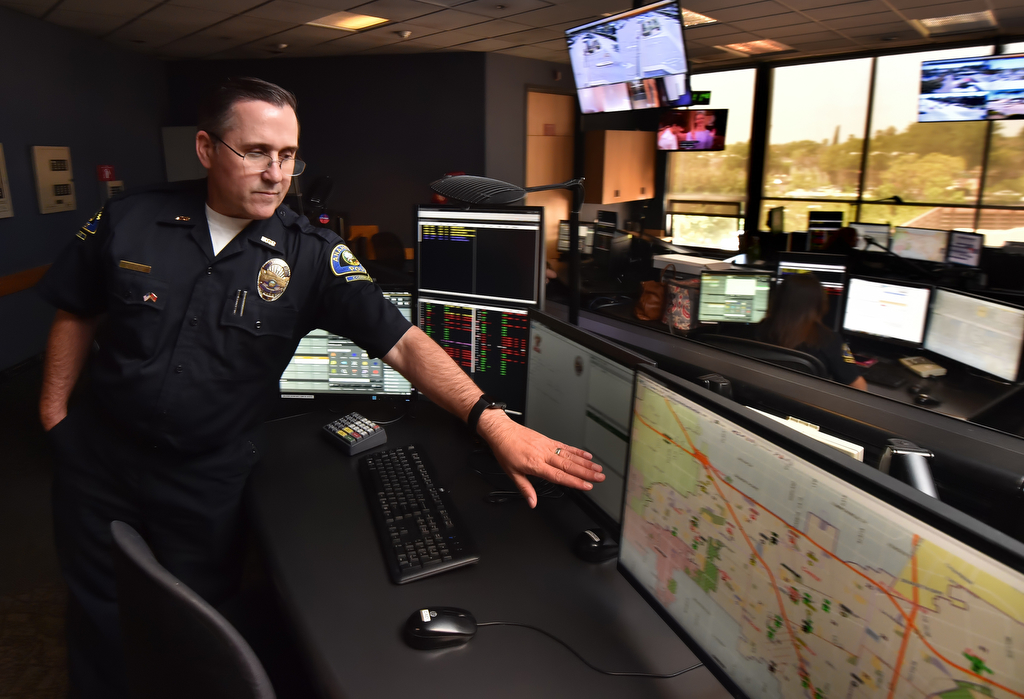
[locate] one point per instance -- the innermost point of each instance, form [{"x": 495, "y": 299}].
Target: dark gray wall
[
  {"x": 508, "y": 80},
  {"x": 383, "y": 127},
  {"x": 62, "y": 88}
]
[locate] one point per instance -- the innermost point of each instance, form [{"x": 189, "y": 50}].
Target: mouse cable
[{"x": 650, "y": 675}]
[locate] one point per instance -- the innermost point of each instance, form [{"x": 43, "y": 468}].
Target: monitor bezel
[
  {"x": 912, "y": 502},
  {"x": 949, "y": 248},
  {"x": 892, "y": 243},
  {"x": 733, "y": 273},
  {"x": 885, "y": 338},
  {"x": 620, "y": 15},
  {"x": 931, "y": 303},
  {"x": 540, "y": 262},
  {"x": 616, "y": 353}
]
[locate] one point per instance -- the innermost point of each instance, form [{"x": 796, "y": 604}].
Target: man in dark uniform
[{"x": 197, "y": 294}]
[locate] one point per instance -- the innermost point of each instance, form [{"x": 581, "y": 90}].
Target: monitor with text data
[
  {"x": 887, "y": 310},
  {"x": 486, "y": 340},
  {"x": 830, "y": 271},
  {"x": 586, "y": 232},
  {"x": 733, "y": 297},
  {"x": 983, "y": 334},
  {"x": 482, "y": 254},
  {"x": 873, "y": 237},
  {"x": 579, "y": 391},
  {"x": 795, "y": 572},
  {"x": 327, "y": 365},
  {"x": 927, "y": 244},
  {"x": 965, "y": 248}
]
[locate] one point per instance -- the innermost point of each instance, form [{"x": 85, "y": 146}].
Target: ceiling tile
[
  {"x": 804, "y": 5},
  {"x": 887, "y": 29},
  {"x": 781, "y": 33},
  {"x": 848, "y": 10},
  {"x": 487, "y": 45},
  {"x": 26, "y": 9},
  {"x": 497, "y": 27},
  {"x": 944, "y": 10},
  {"x": 334, "y": 48},
  {"x": 862, "y": 21},
  {"x": 116, "y": 8},
  {"x": 830, "y": 45},
  {"x": 574, "y": 11},
  {"x": 810, "y": 36},
  {"x": 245, "y": 28},
  {"x": 390, "y": 49},
  {"x": 394, "y": 10},
  {"x": 490, "y": 8},
  {"x": 448, "y": 19},
  {"x": 528, "y": 52},
  {"x": 147, "y": 33},
  {"x": 735, "y": 38},
  {"x": 230, "y": 7},
  {"x": 299, "y": 37},
  {"x": 766, "y": 23},
  {"x": 190, "y": 18},
  {"x": 709, "y": 31},
  {"x": 532, "y": 36},
  {"x": 750, "y": 11},
  {"x": 442, "y": 39},
  {"x": 286, "y": 11},
  {"x": 445, "y": 3},
  {"x": 88, "y": 22}
]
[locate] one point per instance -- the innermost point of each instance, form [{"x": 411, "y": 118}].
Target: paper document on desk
[
  {"x": 689, "y": 264},
  {"x": 812, "y": 431}
]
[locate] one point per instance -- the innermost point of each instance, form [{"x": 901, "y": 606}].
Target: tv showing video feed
[
  {"x": 632, "y": 60},
  {"x": 972, "y": 89},
  {"x": 692, "y": 129}
]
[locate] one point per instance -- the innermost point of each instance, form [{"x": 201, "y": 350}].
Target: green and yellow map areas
[{"x": 801, "y": 585}]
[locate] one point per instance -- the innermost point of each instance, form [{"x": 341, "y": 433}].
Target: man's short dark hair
[{"x": 215, "y": 110}]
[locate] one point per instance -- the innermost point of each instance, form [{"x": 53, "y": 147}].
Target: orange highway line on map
[
  {"x": 910, "y": 623},
  {"x": 878, "y": 585}
]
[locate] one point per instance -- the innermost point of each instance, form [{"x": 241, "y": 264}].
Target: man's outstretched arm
[
  {"x": 66, "y": 352},
  {"x": 521, "y": 451}
]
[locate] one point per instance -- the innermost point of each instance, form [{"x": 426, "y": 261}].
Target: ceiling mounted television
[
  {"x": 972, "y": 89},
  {"x": 692, "y": 129},
  {"x": 632, "y": 60}
]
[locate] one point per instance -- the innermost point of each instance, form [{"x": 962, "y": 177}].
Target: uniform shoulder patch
[
  {"x": 90, "y": 226},
  {"x": 848, "y": 355},
  {"x": 344, "y": 263}
]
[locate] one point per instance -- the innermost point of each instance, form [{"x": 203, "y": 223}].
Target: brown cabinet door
[{"x": 619, "y": 166}]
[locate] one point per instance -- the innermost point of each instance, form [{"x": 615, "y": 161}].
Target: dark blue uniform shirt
[{"x": 192, "y": 345}]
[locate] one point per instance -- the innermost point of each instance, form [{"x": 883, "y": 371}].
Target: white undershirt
[{"x": 223, "y": 228}]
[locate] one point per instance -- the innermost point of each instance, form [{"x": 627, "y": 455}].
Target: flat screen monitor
[
  {"x": 965, "y": 248},
  {"x": 487, "y": 341},
  {"x": 830, "y": 271},
  {"x": 631, "y": 60},
  {"x": 980, "y": 333},
  {"x": 972, "y": 89},
  {"x": 495, "y": 255},
  {"x": 927, "y": 244},
  {"x": 586, "y": 237},
  {"x": 692, "y": 129},
  {"x": 824, "y": 220},
  {"x": 793, "y": 571},
  {"x": 888, "y": 310},
  {"x": 325, "y": 365},
  {"x": 733, "y": 297},
  {"x": 872, "y": 236},
  {"x": 579, "y": 391}
]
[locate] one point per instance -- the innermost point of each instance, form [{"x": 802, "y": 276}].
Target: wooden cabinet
[{"x": 619, "y": 166}]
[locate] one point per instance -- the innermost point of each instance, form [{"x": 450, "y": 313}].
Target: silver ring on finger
[{"x": 558, "y": 451}]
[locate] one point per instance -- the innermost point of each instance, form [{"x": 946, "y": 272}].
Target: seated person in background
[
  {"x": 794, "y": 321},
  {"x": 842, "y": 241}
]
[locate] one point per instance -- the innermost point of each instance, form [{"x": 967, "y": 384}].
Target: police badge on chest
[{"x": 273, "y": 279}]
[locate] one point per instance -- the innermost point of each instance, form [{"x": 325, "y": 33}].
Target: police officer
[{"x": 197, "y": 294}]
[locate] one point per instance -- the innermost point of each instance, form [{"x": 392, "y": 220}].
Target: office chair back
[
  {"x": 780, "y": 356},
  {"x": 175, "y": 644},
  {"x": 388, "y": 250}
]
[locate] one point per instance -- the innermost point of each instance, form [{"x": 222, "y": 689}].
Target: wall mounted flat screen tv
[
  {"x": 972, "y": 89},
  {"x": 632, "y": 60},
  {"x": 692, "y": 129}
]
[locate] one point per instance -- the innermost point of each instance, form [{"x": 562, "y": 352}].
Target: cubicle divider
[{"x": 977, "y": 469}]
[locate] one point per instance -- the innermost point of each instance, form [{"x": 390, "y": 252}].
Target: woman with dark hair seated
[{"x": 794, "y": 321}]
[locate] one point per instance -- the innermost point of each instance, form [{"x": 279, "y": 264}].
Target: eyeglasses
[{"x": 261, "y": 162}]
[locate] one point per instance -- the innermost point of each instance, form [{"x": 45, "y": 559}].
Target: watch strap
[{"x": 478, "y": 409}]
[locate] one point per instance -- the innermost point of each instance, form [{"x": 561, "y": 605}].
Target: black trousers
[{"x": 188, "y": 508}]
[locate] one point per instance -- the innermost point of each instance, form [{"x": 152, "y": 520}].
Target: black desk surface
[{"x": 315, "y": 526}]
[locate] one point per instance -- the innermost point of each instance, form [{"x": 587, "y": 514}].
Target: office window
[
  {"x": 1001, "y": 226},
  {"x": 922, "y": 216},
  {"x": 938, "y": 162},
  {"x": 817, "y": 130},
  {"x": 1004, "y": 179},
  {"x": 795, "y": 216},
  {"x": 705, "y": 224}
]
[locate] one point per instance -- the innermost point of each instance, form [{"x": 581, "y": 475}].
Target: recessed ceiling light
[
  {"x": 955, "y": 24},
  {"x": 348, "y": 21},
  {"x": 696, "y": 19},
  {"x": 753, "y": 48}
]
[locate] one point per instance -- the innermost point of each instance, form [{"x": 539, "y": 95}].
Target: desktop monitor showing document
[
  {"x": 982, "y": 334},
  {"x": 327, "y": 365},
  {"x": 733, "y": 297},
  {"x": 926, "y": 244},
  {"x": 495, "y": 255},
  {"x": 965, "y": 248},
  {"x": 972, "y": 89},
  {"x": 586, "y": 237},
  {"x": 894, "y": 311},
  {"x": 631, "y": 60},
  {"x": 793, "y": 571},
  {"x": 579, "y": 391},
  {"x": 872, "y": 236},
  {"x": 830, "y": 271},
  {"x": 692, "y": 129}
]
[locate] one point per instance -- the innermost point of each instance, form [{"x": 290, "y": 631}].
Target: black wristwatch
[{"x": 483, "y": 404}]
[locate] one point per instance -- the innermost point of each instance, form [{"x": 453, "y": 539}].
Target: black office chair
[
  {"x": 780, "y": 356},
  {"x": 175, "y": 644}
]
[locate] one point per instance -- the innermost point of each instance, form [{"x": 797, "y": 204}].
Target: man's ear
[{"x": 204, "y": 148}]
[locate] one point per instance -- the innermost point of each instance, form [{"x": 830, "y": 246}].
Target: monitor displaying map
[{"x": 789, "y": 581}]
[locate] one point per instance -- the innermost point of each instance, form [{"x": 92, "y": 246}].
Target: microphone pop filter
[{"x": 471, "y": 189}]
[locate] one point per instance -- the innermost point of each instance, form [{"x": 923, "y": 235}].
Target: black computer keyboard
[
  {"x": 884, "y": 374},
  {"x": 418, "y": 527}
]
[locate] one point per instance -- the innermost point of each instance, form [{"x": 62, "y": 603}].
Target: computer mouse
[
  {"x": 439, "y": 627},
  {"x": 593, "y": 546},
  {"x": 925, "y": 399}
]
